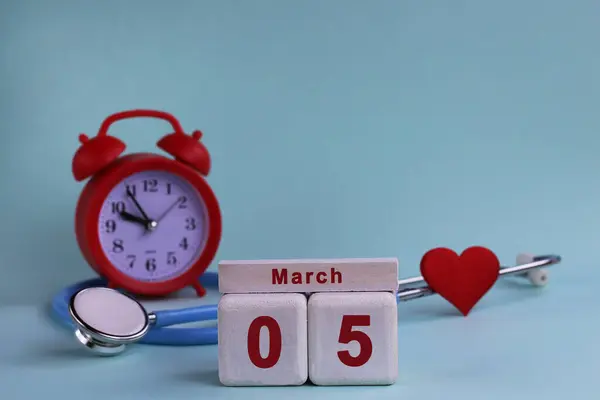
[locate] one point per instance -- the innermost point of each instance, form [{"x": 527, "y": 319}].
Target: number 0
[
  {"x": 348, "y": 334},
  {"x": 275, "y": 342}
]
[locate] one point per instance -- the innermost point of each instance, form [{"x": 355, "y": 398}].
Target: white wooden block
[
  {"x": 352, "y": 338},
  {"x": 262, "y": 339},
  {"x": 309, "y": 275}
]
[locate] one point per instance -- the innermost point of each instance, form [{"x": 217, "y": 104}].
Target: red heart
[{"x": 462, "y": 280}]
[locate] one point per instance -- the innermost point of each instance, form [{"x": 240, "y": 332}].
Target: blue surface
[
  {"x": 337, "y": 129},
  {"x": 520, "y": 343}
]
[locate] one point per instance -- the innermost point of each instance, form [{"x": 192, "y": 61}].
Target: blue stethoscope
[{"x": 106, "y": 320}]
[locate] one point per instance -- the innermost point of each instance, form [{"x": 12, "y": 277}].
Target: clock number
[
  {"x": 171, "y": 259},
  {"x": 190, "y": 224},
  {"x": 151, "y": 264},
  {"x": 182, "y": 202},
  {"x": 184, "y": 243},
  {"x": 130, "y": 188},
  {"x": 169, "y": 188},
  {"x": 150, "y": 185},
  {"x": 131, "y": 259},
  {"x": 111, "y": 226},
  {"x": 118, "y": 246},
  {"x": 118, "y": 207}
]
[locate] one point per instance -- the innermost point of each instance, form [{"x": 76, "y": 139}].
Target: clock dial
[{"x": 164, "y": 249}]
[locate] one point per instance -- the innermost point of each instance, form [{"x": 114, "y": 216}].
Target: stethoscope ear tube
[{"x": 521, "y": 270}]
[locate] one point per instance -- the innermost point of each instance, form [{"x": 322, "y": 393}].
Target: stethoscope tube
[{"x": 162, "y": 332}]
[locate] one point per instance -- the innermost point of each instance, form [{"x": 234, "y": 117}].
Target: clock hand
[
  {"x": 152, "y": 225},
  {"x": 133, "y": 218},
  {"x": 148, "y": 225},
  {"x": 168, "y": 210},
  {"x": 147, "y": 220}
]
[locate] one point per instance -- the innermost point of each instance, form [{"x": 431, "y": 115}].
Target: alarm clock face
[{"x": 169, "y": 241}]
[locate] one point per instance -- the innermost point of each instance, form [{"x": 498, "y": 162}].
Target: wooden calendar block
[
  {"x": 309, "y": 275},
  {"x": 352, "y": 338},
  {"x": 262, "y": 339}
]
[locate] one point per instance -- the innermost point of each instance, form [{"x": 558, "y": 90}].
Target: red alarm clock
[{"x": 147, "y": 223}]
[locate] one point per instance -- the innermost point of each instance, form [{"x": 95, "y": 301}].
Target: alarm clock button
[
  {"x": 95, "y": 154},
  {"x": 188, "y": 150},
  {"x": 110, "y": 312}
]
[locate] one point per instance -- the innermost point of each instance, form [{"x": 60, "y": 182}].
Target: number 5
[{"x": 347, "y": 335}]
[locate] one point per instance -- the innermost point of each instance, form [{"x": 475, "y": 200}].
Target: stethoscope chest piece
[{"x": 107, "y": 320}]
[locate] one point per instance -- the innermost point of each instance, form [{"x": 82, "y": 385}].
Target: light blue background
[{"x": 337, "y": 129}]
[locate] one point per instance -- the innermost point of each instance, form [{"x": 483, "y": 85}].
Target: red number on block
[
  {"x": 275, "y": 342},
  {"x": 347, "y": 335}
]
